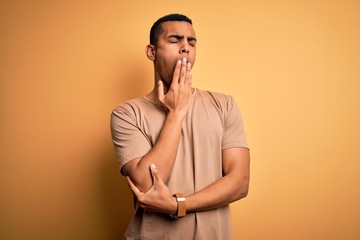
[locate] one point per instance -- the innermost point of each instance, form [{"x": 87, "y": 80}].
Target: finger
[
  {"x": 133, "y": 188},
  {"x": 183, "y": 71},
  {"x": 189, "y": 74},
  {"x": 176, "y": 75},
  {"x": 155, "y": 175}
]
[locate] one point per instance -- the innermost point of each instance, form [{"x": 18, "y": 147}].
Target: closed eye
[
  {"x": 192, "y": 41},
  {"x": 175, "y": 38}
]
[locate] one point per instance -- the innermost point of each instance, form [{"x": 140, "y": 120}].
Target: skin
[
  {"x": 176, "y": 42},
  {"x": 173, "y": 57}
]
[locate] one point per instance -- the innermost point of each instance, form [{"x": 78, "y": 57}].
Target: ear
[{"x": 150, "y": 52}]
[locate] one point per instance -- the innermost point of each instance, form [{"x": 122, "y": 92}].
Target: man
[{"x": 183, "y": 150}]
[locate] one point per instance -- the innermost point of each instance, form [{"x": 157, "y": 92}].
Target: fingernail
[
  {"x": 184, "y": 60},
  {"x": 179, "y": 61},
  {"x": 153, "y": 166}
]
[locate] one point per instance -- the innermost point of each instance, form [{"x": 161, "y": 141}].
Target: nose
[{"x": 184, "y": 48}]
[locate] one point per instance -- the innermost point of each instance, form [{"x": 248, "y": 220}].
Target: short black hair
[{"x": 156, "y": 28}]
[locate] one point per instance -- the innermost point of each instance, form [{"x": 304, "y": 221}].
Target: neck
[{"x": 153, "y": 95}]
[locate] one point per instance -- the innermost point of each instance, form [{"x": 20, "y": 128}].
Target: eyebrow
[{"x": 179, "y": 37}]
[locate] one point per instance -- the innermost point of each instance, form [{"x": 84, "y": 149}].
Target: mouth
[{"x": 183, "y": 59}]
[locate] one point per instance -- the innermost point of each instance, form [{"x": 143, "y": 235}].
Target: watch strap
[{"x": 181, "y": 206}]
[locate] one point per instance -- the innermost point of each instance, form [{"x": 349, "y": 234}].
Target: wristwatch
[{"x": 181, "y": 206}]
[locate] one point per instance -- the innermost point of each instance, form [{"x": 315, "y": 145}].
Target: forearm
[
  {"x": 163, "y": 154},
  {"x": 233, "y": 186},
  {"x": 228, "y": 189}
]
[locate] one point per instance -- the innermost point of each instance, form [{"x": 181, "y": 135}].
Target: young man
[{"x": 183, "y": 150}]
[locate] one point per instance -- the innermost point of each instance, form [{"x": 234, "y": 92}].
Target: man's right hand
[{"x": 178, "y": 97}]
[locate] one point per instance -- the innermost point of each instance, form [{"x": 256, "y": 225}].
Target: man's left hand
[{"x": 158, "y": 198}]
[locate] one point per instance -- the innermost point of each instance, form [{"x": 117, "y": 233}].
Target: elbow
[
  {"x": 142, "y": 183},
  {"x": 140, "y": 176},
  {"x": 142, "y": 180},
  {"x": 242, "y": 189},
  {"x": 244, "y": 193}
]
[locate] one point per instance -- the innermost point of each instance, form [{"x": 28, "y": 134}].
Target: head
[
  {"x": 172, "y": 37},
  {"x": 157, "y": 28}
]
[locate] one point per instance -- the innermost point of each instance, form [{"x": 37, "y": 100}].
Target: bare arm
[
  {"x": 163, "y": 154},
  {"x": 233, "y": 186}
]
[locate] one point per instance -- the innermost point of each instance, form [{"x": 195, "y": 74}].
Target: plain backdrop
[{"x": 292, "y": 66}]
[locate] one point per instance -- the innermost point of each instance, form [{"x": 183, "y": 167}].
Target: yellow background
[{"x": 293, "y": 66}]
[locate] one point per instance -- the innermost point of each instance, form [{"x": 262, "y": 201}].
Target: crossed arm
[
  {"x": 149, "y": 187},
  {"x": 231, "y": 187}
]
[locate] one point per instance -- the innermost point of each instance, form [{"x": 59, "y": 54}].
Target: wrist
[
  {"x": 180, "y": 206},
  {"x": 175, "y": 117},
  {"x": 174, "y": 206}
]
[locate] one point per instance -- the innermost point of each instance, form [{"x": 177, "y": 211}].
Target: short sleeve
[
  {"x": 234, "y": 135},
  {"x": 129, "y": 141}
]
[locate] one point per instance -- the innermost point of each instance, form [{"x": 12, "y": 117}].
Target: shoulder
[{"x": 129, "y": 106}]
